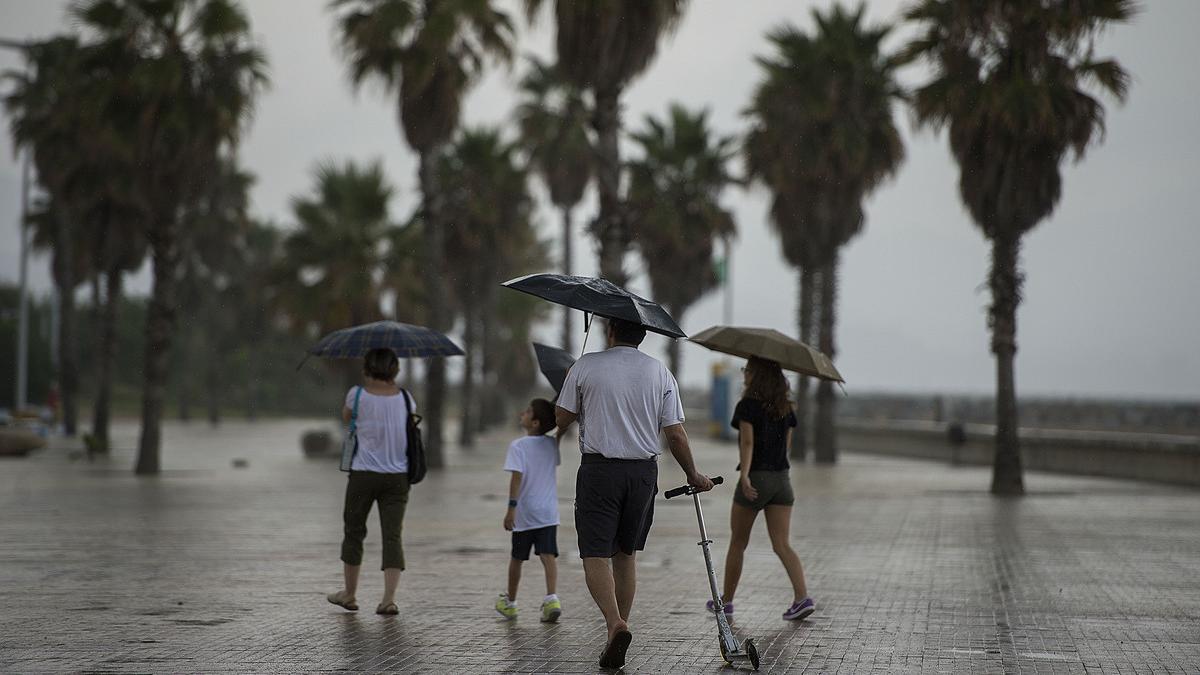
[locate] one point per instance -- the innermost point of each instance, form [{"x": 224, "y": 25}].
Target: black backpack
[{"x": 416, "y": 447}]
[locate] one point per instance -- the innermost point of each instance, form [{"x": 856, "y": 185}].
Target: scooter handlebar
[{"x": 688, "y": 489}]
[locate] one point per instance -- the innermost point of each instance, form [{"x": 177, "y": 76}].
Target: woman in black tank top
[{"x": 764, "y": 420}]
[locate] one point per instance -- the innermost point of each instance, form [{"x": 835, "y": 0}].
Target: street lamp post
[{"x": 22, "y": 393}]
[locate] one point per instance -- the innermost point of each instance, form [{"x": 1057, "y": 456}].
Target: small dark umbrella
[
  {"x": 600, "y": 297},
  {"x": 407, "y": 340},
  {"x": 554, "y": 364}
]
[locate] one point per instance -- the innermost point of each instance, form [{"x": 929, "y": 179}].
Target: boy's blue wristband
[{"x": 512, "y": 503}]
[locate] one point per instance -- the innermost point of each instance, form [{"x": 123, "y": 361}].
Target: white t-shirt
[
  {"x": 382, "y": 432},
  {"x": 623, "y": 398},
  {"x": 535, "y": 458}
]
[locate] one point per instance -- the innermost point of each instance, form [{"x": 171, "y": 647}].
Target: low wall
[{"x": 1153, "y": 457}]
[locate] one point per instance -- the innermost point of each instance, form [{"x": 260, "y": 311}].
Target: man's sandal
[{"x": 389, "y": 609}]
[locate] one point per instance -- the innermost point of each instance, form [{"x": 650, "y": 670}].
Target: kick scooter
[{"x": 729, "y": 645}]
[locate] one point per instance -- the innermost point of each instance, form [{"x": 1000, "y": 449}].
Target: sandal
[
  {"x": 389, "y": 609},
  {"x": 614, "y": 652},
  {"x": 342, "y": 601}
]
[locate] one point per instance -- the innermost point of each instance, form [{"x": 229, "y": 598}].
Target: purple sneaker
[
  {"x": 800, "y": 610},
  {"x": 713, "y": 608}
]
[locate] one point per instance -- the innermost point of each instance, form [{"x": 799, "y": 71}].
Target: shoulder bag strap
[{"x": 354, "y": 412}]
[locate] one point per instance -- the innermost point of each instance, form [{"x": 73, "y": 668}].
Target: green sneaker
[
  {"x": 507, "y": 609},
  {"x": 551, "y": 610}
]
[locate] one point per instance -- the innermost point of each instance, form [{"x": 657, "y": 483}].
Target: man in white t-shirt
[
  {"x": 622, "y": 399},
  {"x": 532, "y": 514}
]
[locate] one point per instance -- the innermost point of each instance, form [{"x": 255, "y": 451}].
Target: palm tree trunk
[
  {"x": 825, "y": 433},
  {"x": 160, "y": 326},
  {"x": 1005, "y": 284},
  {"x": 182, "y": 357},
  {"x": 466, "y": 431},
  {"x": 674, "y": 357},
  {"x": 212, "y": 386},
  {"x": 806, "y": 298},
  {"x": 567, "y": 263},
  {"x": 107, "y": 355},
  {"x": 609, "y": 226},
  {"x": 68, "y": 352},
  {"x": 435, "y": 293}
]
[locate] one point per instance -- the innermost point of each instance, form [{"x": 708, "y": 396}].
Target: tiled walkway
[{"x": 212, "y": 568}]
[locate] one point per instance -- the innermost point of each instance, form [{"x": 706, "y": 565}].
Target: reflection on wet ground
[{"x": 914, "y": 567}]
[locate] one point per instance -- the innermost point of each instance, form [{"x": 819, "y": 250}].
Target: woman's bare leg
[
  {"x": 779, "y": 521},
  {"x": 741, "y": 521},
  {"x": 350, "y": 576},
  {"x": 391, "y": 579}
]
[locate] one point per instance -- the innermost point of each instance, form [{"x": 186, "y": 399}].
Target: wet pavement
[{"x": 212, "y": 568}]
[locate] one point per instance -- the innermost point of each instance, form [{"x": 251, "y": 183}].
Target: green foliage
[
  {"x": 1011, "y": 83},
  {"x": 552, "y": 118},
  {"x": 674, "y": 199},
  {"x": 40, "y": 373},
  {"x": 822, "y": 134},
  {"x": 429, "y": 51}
]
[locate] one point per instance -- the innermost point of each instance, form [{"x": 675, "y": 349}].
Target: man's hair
[
  {"x": 627, "y": 332},
  {"x": 543, "y": 414},
  {"x": 381, "y": 364}
]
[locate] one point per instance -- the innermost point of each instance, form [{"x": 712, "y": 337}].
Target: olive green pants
[{"x": 390, "y": 491}]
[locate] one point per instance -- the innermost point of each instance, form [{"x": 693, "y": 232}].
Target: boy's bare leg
[
  {"x": 599, "y": 578},
  {"x": 391, "y": 579},
  {"x": 625, "y": 581},
  {"x": 550, "y": 565},
  {"x": 514, "y": 578}
]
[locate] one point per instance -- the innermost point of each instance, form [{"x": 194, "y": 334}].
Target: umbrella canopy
[
  {"x": 600, "y": 297},
  {"x": 406, "y": 340},
  {"x": 765, "y": 343},
  {"x": 554, "y": 363}
]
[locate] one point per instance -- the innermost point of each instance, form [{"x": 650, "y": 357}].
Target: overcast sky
[{"x": 1110, "y": 307}]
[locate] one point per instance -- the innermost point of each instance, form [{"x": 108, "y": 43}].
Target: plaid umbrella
[{"x": 406, "y": 340}]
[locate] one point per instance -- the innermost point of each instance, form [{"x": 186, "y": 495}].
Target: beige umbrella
[{"x": 765, "y": 343}]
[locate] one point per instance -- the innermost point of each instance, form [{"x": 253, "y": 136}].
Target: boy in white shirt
[{"x": 532, "y": 514}]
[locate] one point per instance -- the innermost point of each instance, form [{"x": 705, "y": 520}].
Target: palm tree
[
  {"x": 1011, "y": 83},
  {"x": 486, "y": 204},
  {"x": 552, "y": 119},
  {"x": 212, "y": 245},
  {"x": 428, "y": 52},
  {"x": 184, "y": 77},
  {"x": 823, "y": 138},
  {"x": 602, "y": 45},
  {"x": 331, "y": 273},
  {"x": 674, "y": 197},
  {"x": 47, "y": 106}
]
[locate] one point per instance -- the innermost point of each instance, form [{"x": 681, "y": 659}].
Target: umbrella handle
[{"x": 587, "y": 331}]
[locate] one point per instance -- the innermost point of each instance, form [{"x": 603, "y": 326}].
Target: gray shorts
[
  {"x": 614, "y": 505},
  {"x": 774, "y": 489}
]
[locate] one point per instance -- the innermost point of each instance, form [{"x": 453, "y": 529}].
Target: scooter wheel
[
  {"x": 724, "y": 653},
  {"x": 752, "y": 652}
]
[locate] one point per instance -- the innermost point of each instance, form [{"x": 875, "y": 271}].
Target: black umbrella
[
  {"x": 600, "y": 297},
  {"x": 407, "y": 340},
  {"x": 554, "y": 363}
]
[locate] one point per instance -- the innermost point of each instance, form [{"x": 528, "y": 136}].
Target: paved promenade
[{"x": 212, "y": 568}]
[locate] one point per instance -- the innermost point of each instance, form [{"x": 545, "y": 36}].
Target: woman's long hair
[{"x": 768, "y": 385}]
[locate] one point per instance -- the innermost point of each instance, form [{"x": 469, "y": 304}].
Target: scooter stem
[{"x": 704, "y": 543}]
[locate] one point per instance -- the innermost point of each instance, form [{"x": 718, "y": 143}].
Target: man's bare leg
[
  {"x": 625, "y": 582},
  {"x": 599, "y": 577}
]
